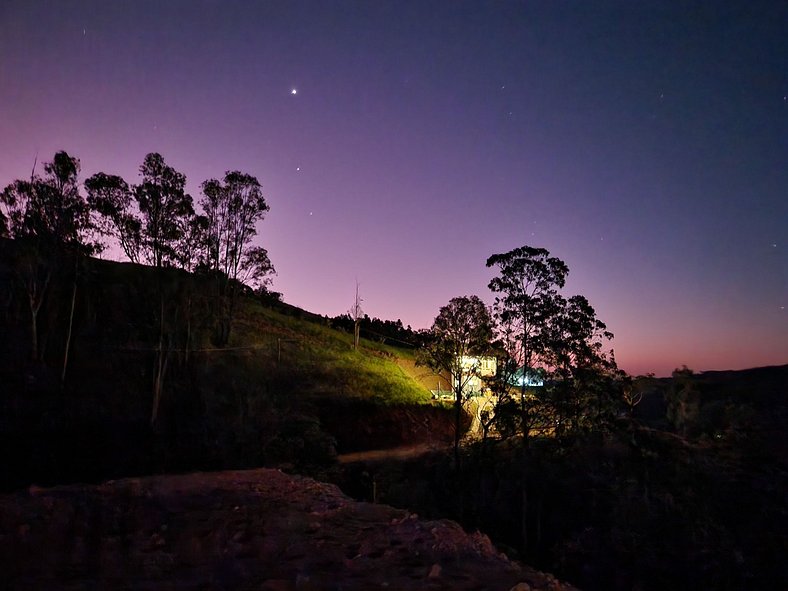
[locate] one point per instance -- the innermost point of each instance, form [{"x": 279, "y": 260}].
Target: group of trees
[
  {"x": 532, "y": 330},
  {"x": 153, "y": 222},
  {"x": 393, "y": 332},
  {"x": 55, "y": 224},
  {"x": 538, "y": 336}
]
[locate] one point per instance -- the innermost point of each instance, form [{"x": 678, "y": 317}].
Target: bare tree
[{"x": 356, "y": 314}]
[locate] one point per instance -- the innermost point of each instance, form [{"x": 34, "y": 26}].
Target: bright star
[{"x": 294, "y": 91}]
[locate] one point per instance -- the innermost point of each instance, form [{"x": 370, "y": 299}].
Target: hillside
[{"x": 286, "y": 390}]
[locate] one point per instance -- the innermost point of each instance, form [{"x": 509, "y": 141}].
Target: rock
[
  {"x": 435, "y": 571},
  {"x": 521, "y": 587}
]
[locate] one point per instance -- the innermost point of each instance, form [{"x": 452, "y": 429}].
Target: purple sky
[{"x": 647, "y": 147}]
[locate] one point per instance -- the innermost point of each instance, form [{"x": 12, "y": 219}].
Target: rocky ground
[{"x": 256, "y": 529}]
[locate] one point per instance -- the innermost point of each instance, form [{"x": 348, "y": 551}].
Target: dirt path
[{"x": 394, "y": 453}]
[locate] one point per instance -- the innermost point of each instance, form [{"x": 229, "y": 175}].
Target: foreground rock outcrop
[{"x": 256, "y": 529}]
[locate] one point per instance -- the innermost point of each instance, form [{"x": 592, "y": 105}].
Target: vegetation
[
  {"x": 636, "y": 507},
  {"x": 189, "y": 362},
  {"x": 463, "y": 328},
  {"x": 156, "y": 378}
]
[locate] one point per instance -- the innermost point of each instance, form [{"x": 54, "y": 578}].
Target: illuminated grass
[{"x": 322, "y": 361}]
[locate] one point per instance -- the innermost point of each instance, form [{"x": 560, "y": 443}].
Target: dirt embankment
[
  {"x": 359, "y": 425},
  {"x": 257, "y": 529}
]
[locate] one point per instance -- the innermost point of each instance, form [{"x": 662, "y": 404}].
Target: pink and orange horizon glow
[{"x": 399, "y": 144}]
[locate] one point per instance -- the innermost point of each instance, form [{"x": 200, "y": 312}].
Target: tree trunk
[
  {"x": 160, "y": 366},
  {"x": 34, "y": 331},
  {"x": 457, "y": 426},
  {"x": 70, "y": 324},
  {"x": 162, "y": 357},
  {"x": 524, "y": 500},
  {"x": 35, "y": 294}
]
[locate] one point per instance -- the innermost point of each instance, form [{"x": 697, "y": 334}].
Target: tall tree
[
  {"x": 232, "y": 209},
  {"x": 110, "y": 198},
  {"x": 461, "y": 332},
  {"x": 526, "y": 303},
  {"x": 49, "y": 218},
  {"x": 541, "y": 329},
  {"x": 163, "y": 203},
  {"x": 580, "y": 395}
]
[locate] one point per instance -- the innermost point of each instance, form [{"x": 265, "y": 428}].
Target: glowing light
[{"x": 294, "y": 91}]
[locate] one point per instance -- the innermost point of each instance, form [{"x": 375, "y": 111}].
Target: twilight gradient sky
[{"x": 645, "y": 143}]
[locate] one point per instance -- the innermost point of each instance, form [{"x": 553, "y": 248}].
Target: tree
[
  {"x": 356, "y": 315},
  {"x": 51, "y": 209},
  {"x": 110, "y": 197},
  {"x": 232, "y": 208},
  {"x": 49, "y": 218},
  {"x": 683, "y": 401},
  {"x": 526, "y": 303},
  {"x": 580, "y": 393},
  {"x": 463, "y": 328},
  {"x": 163, "y": 205},
  {"x": 153, "y": 221},
  {"x": 540, "y": 329}
]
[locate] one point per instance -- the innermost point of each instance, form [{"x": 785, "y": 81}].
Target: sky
[{"x": 400, "y": 144}]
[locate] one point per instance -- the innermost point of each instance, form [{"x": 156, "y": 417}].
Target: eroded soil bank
[{"x": 257, "y": 529}]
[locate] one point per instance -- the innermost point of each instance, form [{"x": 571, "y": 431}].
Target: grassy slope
[
  {"x": 286, "y": 385},
  {"x": 325, "y": 358}
]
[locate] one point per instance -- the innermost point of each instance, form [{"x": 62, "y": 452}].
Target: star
[
  {"x": 294, "y": 91},
  {"x": 298, "y": 168}
]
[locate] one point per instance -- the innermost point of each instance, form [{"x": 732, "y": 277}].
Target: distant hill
[{"x": 722, "y": 404}]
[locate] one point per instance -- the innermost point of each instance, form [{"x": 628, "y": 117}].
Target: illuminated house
[{"x": 474, "y": 372}]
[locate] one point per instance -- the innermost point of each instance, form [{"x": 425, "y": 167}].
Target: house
[{"x": 474, "y": 373}]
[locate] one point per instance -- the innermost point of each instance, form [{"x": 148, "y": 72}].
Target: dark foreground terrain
[{"x": 256, "y": 529}]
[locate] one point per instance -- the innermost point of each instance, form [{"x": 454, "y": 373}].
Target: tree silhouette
[
  {"x": 462, "y": 328},
  {"x": 110, "y": 198},
  {"x": 49, "y": 219},
  {"x": 232, "y": 208},
  {"x": 526, "y": 303},
  {"x": 163, "y": 205}
]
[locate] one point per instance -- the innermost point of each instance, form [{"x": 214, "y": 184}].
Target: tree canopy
[{"x": 462, "y": 328}]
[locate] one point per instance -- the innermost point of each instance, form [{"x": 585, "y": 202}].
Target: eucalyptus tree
[
  {"x": 580, "y": 391},
  {"x": 155, "y": 223},
  {"x": 526, "y": 303},
  {"x": 233, "y": 207},
  {"x": 48, "y": 218},
  {"x": 110, "y": 199},
  {"x": 49, "y": 209},
  {"x": 463, "y": 329},
  {"x": 562, "y": 338},
  {"x": 163, "y": 204}
]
